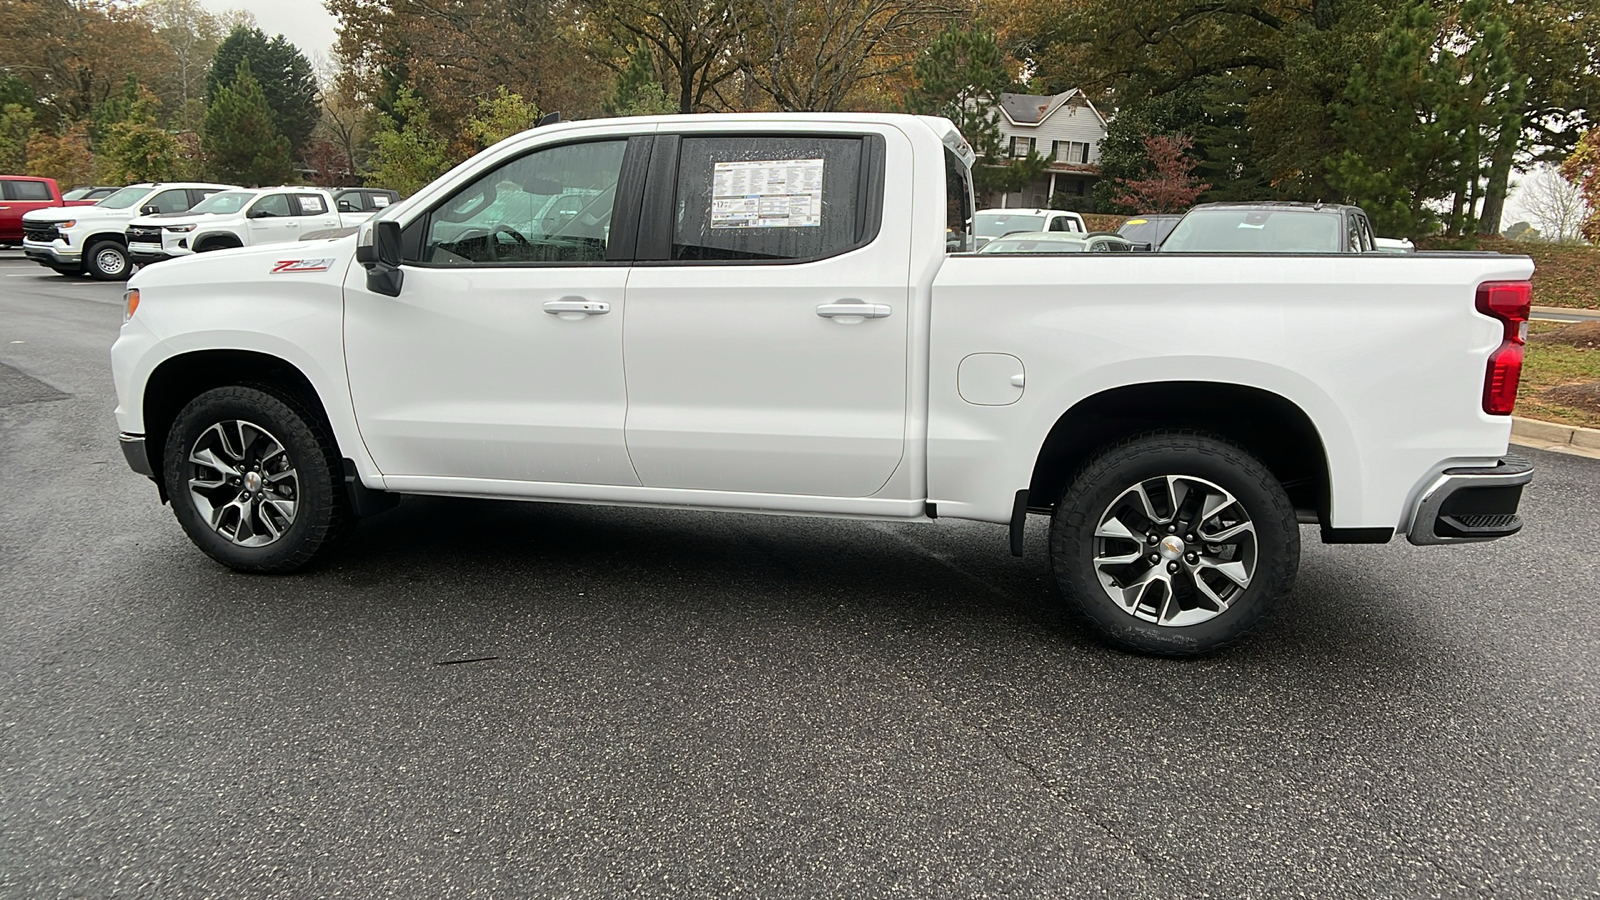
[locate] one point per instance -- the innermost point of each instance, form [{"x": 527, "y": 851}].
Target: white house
[{"x": 1067, "y": 130}]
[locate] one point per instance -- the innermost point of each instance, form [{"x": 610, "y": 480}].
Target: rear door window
[
  {"x": 958, "y": 204},
  {"x": 169, "y": 201},
  {"x": 778, "y": 198},
  {"x": 27, "y": 190},
  {"x": 311, "y": 204}
]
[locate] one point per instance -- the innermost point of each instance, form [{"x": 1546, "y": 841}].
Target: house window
[
  {"x": 1021, "y": 146},
  {"x": 1075, "y": 152}
]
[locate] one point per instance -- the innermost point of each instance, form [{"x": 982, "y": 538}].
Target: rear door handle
[
  {"x": 571, "y": 309},
  {"x": 853, "y": 310}
]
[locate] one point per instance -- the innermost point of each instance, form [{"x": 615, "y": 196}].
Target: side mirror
[
  {"x": 346, "y": 206},
  {"x": 149, "y": 209},
  {"x": 1141, "y": 247},
  {"x": 382, "y": 259},
  {"x": 257, "y": 214}
]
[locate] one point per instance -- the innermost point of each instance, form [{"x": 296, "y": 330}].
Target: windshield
[
  {"x": 1255, "y": 231},
  {"x": 125, "y": 198},
  {"x": 1034, "y": 244},
  {"x": 225, "y": 202},
  {"x": 1148, "y": 230},
  {"x": 995, "y": 224}
]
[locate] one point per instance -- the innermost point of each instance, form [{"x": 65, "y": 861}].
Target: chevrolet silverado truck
[
  {"x": 20, "y": 195},
  {"x": 237, "y": 218},
  {"x": 89, "y": 239},
  {"x": 761, "y": 313}
]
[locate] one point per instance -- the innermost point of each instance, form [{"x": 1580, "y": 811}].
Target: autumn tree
[
  {"x": 282, "y": 74},
  {"x": 500, "y": 117},
  {"x": 135, "y": 147},
  {"x": 694, "y": 41},
  {"x": 1582, "y": 169},
  {"x": 1557, "y": 205},
  {"x": 16, "y": 127},
  {"x": 64, "y": 156},
  {"x": 406, "y": 151},
  {"x": 241, "y": 139},
  {"x": 73, "y": 54},
  {"x": 450, "y": 55},
  {"x": 192, "y": 35},
  {"x": 1170, "y": 187},
  {"x": 813, "y": 55}
]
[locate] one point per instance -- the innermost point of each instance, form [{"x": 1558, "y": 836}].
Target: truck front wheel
[
  {"x": 108, "y": 261},
  {"x": 1174, "y": 543},
  {"x": 254, "y": 480}
]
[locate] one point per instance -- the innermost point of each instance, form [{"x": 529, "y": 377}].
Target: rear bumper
[{"x": 1471, "y": 504}]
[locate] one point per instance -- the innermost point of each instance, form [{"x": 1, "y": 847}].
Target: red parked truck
[{"x": 20, "y": 194}]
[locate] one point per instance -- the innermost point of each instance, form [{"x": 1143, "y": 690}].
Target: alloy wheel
[
  {"x": 1175, "y": 550},
  {"x": 243, "y": 483}
]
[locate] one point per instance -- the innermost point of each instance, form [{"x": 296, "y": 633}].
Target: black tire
[
  {"x": 108, "y": 261},
  {"x": 1103, "y": 497},
  {"x": 321, "y": 511}
]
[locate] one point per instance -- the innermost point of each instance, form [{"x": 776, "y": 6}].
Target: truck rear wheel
[
  {"x": 254, "y": 480},
  {"x": 1174, "y": 543}
]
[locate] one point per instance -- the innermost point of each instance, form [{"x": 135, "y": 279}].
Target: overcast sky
[{"x": 305, "y": 23}]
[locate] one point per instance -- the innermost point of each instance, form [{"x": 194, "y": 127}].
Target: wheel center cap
[
  {"x": 1171, "y": 547},
  {"x": 252, "y": 483}
]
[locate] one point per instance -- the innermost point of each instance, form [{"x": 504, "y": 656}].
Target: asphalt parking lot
[{"x": 483, "y": 699}]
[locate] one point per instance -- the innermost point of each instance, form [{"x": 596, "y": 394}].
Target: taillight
[{"x": 1510, "y": 302}]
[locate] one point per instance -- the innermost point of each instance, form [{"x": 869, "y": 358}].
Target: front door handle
[
  {"x": 848, "y": 312},
  {"x": 571, "y": 309}
]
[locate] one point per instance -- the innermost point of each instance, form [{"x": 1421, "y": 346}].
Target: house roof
[{"x": 1032, "y": 109}]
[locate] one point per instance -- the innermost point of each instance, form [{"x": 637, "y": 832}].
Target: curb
[
  {"x": 1552, "y": 436},
  {"x": 1564, "y": 313}
]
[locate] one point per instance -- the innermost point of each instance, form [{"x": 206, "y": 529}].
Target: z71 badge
[{"x": 301, "y": 265}]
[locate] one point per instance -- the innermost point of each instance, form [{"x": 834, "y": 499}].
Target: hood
[
  {"x": 288, "y": 264},
  {"x": 181, "y": 218},
  {"x": 80, "y": 213}
]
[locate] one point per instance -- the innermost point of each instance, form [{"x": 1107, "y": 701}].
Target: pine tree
[
  {"x": 639, "y": 91},
  {"x": 960, "y": 76},
  {"x": 241, "y": 139},
  {"x": 283, "y": 73}
]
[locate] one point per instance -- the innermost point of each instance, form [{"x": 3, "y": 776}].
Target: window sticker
[
  {"x": 380, "y": 200},
  {"x": 785, "y": 193},
  {"x": 311, "y": 204}
]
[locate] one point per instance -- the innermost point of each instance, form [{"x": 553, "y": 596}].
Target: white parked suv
[
  {"x": 237, "y": 218},
  {"x": 759, "y": 313},
  {"x": 77, "y": 239}
]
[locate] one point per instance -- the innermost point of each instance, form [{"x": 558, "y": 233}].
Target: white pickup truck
[
  {"x": 89, "y": 239},
  {"x": 238, "y": 218},
  {"x": 759, "y": 313}
]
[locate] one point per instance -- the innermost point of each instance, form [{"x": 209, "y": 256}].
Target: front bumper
[
  {"x": 55, "y": 254},
  {"x": 144, "y": 254},
  {"x": 133, "y": 451},
  {"x": 1470, "y": 504}
]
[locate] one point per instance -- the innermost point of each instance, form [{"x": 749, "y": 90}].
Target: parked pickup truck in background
[
  {"x": 237, "y": 218},
  {"x": 1272, "y": 227},
  {"x": 90, "y": 239},
  {"x": 758, "y": 313},
  {"x": 20, "y": 195}
]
